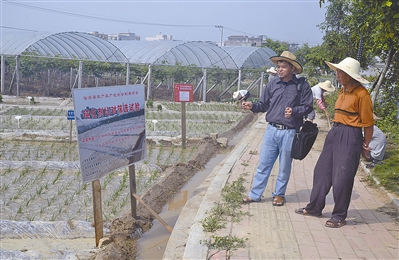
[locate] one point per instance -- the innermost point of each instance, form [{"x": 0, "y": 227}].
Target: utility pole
[{"x": 221, "y": 34}]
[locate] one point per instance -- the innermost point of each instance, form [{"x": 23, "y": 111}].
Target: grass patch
[
  {"x": 388, "y": 172},
  {"x": 220, "y": 214}
]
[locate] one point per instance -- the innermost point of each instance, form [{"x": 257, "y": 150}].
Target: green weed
[
  {"x": 228, "y": 243},
  {"x": 388, "y": 172},
  {"x": 253, "y": 152},
  {"x": 218, "y": 216}
]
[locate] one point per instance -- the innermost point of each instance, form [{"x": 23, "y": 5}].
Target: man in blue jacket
[{"x": 286, "y": 105}]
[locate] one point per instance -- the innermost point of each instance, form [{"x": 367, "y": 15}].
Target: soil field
[{"x": 41, "y": 183}]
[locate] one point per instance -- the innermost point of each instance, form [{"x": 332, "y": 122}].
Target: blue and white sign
[{"x": 71, "y": 115}]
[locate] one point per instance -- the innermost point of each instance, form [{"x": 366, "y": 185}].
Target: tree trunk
[{"x": 382, "y": 75}]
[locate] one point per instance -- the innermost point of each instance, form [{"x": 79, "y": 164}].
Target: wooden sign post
[
  {"x": 132, "y": 179},
  {"x": 183, "y": 93},
  {"x": 98, "y": 217}
]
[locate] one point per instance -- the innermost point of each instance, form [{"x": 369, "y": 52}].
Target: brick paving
[{"x": 278, "y": 232}]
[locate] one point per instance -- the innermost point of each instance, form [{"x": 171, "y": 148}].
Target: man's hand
[
  {"x": 247, "y": 105},
  {"x": 288, "y": 112},
  {"x": 366, "y": 152}
]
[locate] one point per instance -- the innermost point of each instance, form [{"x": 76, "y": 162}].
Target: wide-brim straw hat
[
  {"x": 241, "y": 95},
  {"x": 327, "y": 86},
  {"x": 236, "y": 94},
  {"x": 272, "y": 70},
  {"x": 288, "y": 57},
  {"x": 351, "y": 67}
]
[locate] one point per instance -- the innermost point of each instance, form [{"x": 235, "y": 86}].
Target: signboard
[
  {"x": 110, "y": 124},
  {"x": 183, "y": 93},
  {"x": 71, "y": 115}
]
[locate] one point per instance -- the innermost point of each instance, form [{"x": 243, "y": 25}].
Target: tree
[
  {"x": 376, "y": 23},
  {"x": 381, "y": 25},
  {"x": 277, "y": 46}
]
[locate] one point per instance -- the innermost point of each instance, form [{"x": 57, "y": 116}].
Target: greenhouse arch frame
[{"x": 88, "y": 47}]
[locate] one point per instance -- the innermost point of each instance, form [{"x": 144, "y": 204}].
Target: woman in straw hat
[
  {"x": 285, "y": 108},
  {"x": 272, "y": 74},
  {"x": 241, "y": 95},
  {"x": 318, "y": 95},
  {"x": 339, "y": 159}
]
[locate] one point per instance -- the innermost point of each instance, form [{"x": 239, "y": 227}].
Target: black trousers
[{"x": 336, "y": 167}]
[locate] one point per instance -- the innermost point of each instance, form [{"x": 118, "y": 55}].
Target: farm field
[{"x": 39, "y": 163}]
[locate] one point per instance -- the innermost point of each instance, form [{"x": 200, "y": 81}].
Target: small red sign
[{"x": 184, "y": 93}]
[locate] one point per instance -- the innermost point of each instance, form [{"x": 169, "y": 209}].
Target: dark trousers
[{"x": 336, "y": 167}]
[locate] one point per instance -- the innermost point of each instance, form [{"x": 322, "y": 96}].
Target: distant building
[
  {"x": 123, "y": 37},
  {"x": 159, "y": 37},
  {"x": 117, "y": 37},
  {"x": 101, "y": 35},
  {"x": 237, "y": 40}
]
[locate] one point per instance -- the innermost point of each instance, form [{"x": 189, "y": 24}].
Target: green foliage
[
  {"x": 30, "y": 65},
  {"x": 232, "y": 193},
  {"x": 150, "y": 103},
  {"x": 159, "y": 107},
  {"x": 313, "y": 61},
  {"x": 225, "y": 243},
  {"x": 217, "y": 218},
  {"x": 330, "y": 99},
  {"x": 342, "y": 36},
  {"x": 253, "y": 152},
  {"x": 1, "y": 98},
  {"x": 388, "y": 172},
  {"x": 32, "y": 100},
  {"x": 228, "y": 243},
  {"x": 276, "y": 46},
  {"x": 379, "y": 22},
  {"x": 387, "y": 106}
]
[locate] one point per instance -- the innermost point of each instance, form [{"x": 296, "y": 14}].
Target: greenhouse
[{"x": 80, "y": 47}]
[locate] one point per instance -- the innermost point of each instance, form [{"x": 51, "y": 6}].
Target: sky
[{"x": 292, "y": 21}]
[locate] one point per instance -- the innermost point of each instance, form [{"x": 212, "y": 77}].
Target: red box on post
[{"x": 183, "y": 93}]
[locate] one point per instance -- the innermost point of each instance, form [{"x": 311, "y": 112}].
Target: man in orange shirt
[{"x": 339, "y": 159}]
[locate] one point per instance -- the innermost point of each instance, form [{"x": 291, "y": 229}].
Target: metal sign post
[
  {"x": 70, "y": 117},
  {"x": 183, "y": 124}
]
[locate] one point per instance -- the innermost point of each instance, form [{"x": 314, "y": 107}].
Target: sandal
[
  {"x": 278, "y": 201},
  {"x": 248, "y": 199},
  {"x": 335, "y": 223},
  {"x": 302, "y": 211}
]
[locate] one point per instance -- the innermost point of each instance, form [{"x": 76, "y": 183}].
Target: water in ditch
[{"x": 153, "y": 242}]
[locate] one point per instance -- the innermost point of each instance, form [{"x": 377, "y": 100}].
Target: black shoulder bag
[{"x": 305, "y": 137}]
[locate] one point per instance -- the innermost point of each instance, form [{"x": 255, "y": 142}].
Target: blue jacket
[{"x": 279, "y": 95}]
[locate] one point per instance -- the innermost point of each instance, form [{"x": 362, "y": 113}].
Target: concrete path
[{"x": 278, "y": 232}]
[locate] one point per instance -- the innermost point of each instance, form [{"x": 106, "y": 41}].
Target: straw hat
[
  {"x": 351, "y": 67},
  {"x": 241, "y": 95},
  {"x": 326, "y": 85},
  {"x": 288, "y": 57},
  {"x": 272, "y": 70}
]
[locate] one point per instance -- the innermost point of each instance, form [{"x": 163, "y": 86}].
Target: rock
[
  {"x": 222, "y": 141},
  {"x": 104, "y": 242}
]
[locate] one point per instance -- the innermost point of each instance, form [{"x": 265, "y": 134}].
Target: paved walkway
[{"x": 278, "y": 232}]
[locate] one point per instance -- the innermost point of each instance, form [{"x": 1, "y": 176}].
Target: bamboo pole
[{"x": 169, "y": 228}]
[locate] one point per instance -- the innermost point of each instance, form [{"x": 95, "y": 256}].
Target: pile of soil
[{"x": 121, "y": 243}]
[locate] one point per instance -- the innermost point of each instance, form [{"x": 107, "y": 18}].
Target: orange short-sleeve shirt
[{"x": 354, "y": 107}]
